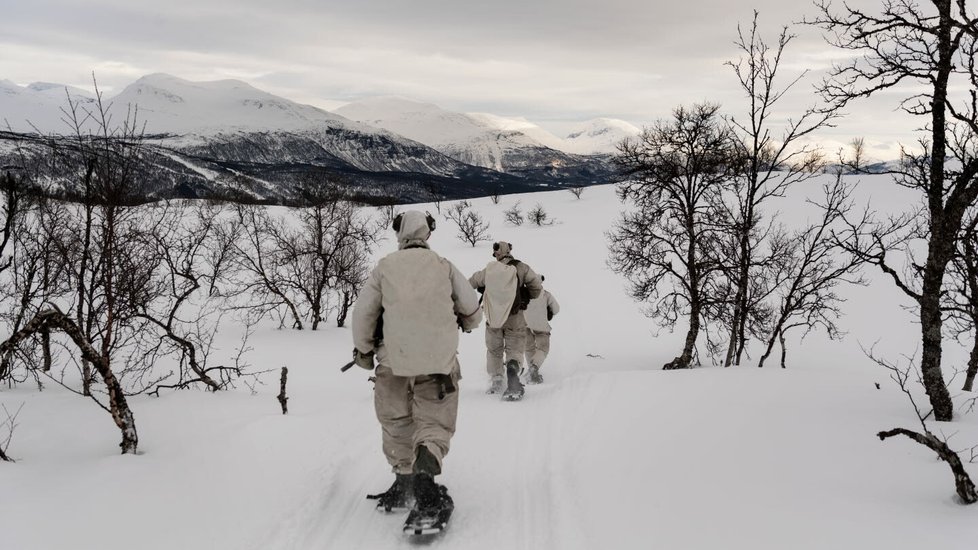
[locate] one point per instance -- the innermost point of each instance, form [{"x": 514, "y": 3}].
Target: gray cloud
[{"x": 551, "y": 61}]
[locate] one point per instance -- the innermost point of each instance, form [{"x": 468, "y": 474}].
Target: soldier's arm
[
  {"x": 533, "y": 282},
  {"x": 467, "y": 308},
  {"x": 477, "y": 280},
  {"x": 552, "y": 304},
  {"x": 366, "y": 313}
]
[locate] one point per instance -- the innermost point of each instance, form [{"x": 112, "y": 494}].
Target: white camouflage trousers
[
  {"x": 414, "y": 410},
  {"x": 509, "y": 340},
  {"x": 537, "y": 347}
]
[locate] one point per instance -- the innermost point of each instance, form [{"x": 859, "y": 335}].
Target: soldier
[
  {"x": 408, "y": 315},
  {"x": 507, "y": 286},
  {"x": 538, "y": 315}
]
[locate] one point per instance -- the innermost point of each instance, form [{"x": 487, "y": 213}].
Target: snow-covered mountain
[
  {"x": 176, "y": 106},
  {"x": 500, "y": 143},
  {"x": 37, "y": 106},
  {"x": 214, "y": 132},
  {"x": 599, "y": 136}
]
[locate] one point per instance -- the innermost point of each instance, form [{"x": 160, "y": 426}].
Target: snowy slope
[
  {"x": 37, "y": 105},
  {"x": 480, "y": 139},
  {"x": 599, "y": 135},
  {"x": 173, "y": 105},
  {"x": 610, "y": 452}
]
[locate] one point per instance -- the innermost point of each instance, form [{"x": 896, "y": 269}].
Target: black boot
[
  {"x": 425, "y": 462},
  {"x": 400, "y": 495},
  {"x": 514, "y": 388}
]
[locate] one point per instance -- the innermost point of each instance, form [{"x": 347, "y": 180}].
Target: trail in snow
[{"x": 499, "y": 472}]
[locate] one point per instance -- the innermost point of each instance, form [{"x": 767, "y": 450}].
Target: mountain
[
  {"x": 600, "y": 136},
  {"x": 227, "y": 137},
  {"x": 176, "y": 106},
  {"x": 508, "y": 145},
  {"x": 37, "y": 106}
]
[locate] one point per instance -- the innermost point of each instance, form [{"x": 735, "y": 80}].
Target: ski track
[{"x": 513, "y": 497}]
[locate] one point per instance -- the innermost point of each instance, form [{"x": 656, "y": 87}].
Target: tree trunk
[
  {"x": 118, "y": 406},
  {"x": 938, "y": 253},
  {"x": 683, "y": 361},
  {"x": 46, "y": 349},
  {"x": 930, "y": 363},
  {"x": 931, "y": 323},
  {"x": 969, "y": 379},
  {"x": 784, "y": 350},
  {"x": 963, "y": 485},
  {"x": 344, "y": 309},
  {"x": 283, "y": 399}
]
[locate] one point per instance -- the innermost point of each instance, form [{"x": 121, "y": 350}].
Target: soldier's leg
[
  {"x": 392, "y": 402},
  {"x": 435, "y": 412},
  {"x": 494, "y": 351},
  {"x": 542, "y": 345},
  {"x": 530, "y": 346},
  {"x": 514, "y": 337}
]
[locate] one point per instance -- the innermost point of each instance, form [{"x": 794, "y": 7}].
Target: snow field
[{"x": 610, "y": 452}]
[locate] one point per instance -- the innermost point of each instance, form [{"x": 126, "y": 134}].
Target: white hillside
[
  {"x": 173, "y": 105},
  {"x": 478, "y": 138},
  {"x": 600, "y": 135},
  {"x": 609, "y": 453},
  {"x": 37, "y": 106}
]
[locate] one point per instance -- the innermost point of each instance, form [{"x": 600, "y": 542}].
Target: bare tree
[
  {"x": 514, "y": 215},
  {"x": 672, "y": 176},
  {"x": 961, "y": 299},
  {"x": 110, "y": 161},
  {"x": 389, "y": 211},
  {"x": 471, "y": 227},
  {"x": 963, "y": 485},
  {"x": 184, "y": 310},
  {"x": 301, "y": 264},
  {"x": 807, "y": 294},
  {"x": 856, "y": 161},
  {"x": 774, "y": 159},
  {"x": 538, "y": 216},
  {"x": 577, "y": 191},
  {"x": 259, "y": 265},
  {"x": 54, "y": 319},
  {"x": 930, "y": 47},
  {"x": 37, "y": 274},
  {"x": 332, "y": 240},
  {"x": 8, "y": 426},
  {"x": 11, "y": 189}
]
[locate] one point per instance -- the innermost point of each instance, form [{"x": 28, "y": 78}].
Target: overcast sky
[{"x": 552, "y": 62}]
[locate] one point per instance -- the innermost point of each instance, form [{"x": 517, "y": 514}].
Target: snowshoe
[
  {"x": 514, "y": 388},
  {"x": 432, "y": 508},
  {"x": 399, "y": 497},
  {"x": 534, "y": 377}
]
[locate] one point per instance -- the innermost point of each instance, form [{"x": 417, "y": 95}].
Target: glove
[
  {"x": 550, "y": 314},
  {"x": 363, "y": 360}
]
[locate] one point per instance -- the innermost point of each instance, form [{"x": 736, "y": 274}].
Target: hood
[{"x": 412, "y": 229}]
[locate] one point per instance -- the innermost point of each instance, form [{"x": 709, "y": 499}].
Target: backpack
[
  {"x": 522, "y": 292},
  {"x": 500, "y": 296}
]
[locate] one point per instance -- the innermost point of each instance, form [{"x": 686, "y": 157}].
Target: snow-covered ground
[{"x": 610, "y": 452}]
